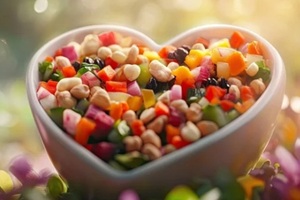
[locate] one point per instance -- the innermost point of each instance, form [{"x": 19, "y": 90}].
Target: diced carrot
[
  {"x": 125, "y": 106},
  {"x": 244, "y": 106},
  {"x": 161, "y": 109},
  {"x": 163, "y": 52},
  {"x": 178, "y": 142},
  {"x": 84, "y": 129},
  {"x": 43, "y": 84},
  {"x": 49, "y": 59},
  {"x": 142, "y": 49},
  {"x": 107, "y": 73},
  {"x": 236, "y": 63},
  {"x": 215, "y": 101},
  {"x": 137, "y": 127},
  {"x": 236, "y": 39},
  {"x": 171, "y": 131},
  {"x": 253, "y": 48},
  {"x": 68, "y": 71},
  {"x": 226, "y": 105},
  {"x": 246, "y": 93},
  {"x": 116, "y": 86},
  {"x": 116, "y": 110}
]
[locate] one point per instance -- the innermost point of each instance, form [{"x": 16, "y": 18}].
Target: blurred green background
[{"x": 26, "y": 25}]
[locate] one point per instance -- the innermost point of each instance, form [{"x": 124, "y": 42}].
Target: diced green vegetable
[
  {"x": 119, "y": 132},
  {"x": 131, "y": 160},
  {"x": 46, "y": 69},
  {"x": 232, "y": 114},
  {"x": 144, "y": 76},
  {"x": 216, "y": 114},
  {"x": 263, "y": 71},
  {"x": 56, "y": 114}
]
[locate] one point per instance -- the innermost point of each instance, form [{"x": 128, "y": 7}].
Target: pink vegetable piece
[
  {"x": 133, "y": 89},
  {"x": 70, "y": 53},
  {"x": 104, "y": 122},
  {"x": 176, "y": 92},
  {"x": 46, "y": 98},
  {"x": 70, "y": 120},
  {"x": 90, "y": 79}
]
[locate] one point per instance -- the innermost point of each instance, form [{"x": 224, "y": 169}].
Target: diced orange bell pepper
[
  {"x": 236, "y": 62},
  {"x": 246, "y": 93},
  {"x": 116, "y": 86},
  {"x": 253, "y": 48},
  {"x": 137, "y": 127},
  {"x": 236, "y": 39},
  {"x": 107, "y": 73},
  {"x": 135, "y": 103},
  {"x": 171, "y": 131},
  {"x": 116, "y": 110},
  {"x": 84, "y": 129},
  {"x": 68, "y": 71}
]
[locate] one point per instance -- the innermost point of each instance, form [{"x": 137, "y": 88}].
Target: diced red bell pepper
[
  {"x": 107, "y": 38},
  {"x": 213, "y": 91},
  {"x": 111, "y": 62}
]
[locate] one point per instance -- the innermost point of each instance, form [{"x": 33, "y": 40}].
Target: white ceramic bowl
[{"x": 237, "y": 146}]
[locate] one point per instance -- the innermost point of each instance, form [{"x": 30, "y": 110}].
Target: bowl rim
[{"x": 277, "y": 71}]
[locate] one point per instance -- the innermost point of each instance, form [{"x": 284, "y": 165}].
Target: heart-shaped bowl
[{"x": 237, "y": 146}]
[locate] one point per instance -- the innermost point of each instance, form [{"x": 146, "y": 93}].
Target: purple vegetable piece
[
  {"x": 92, "y": 111},
  {"x": 104, "y": 150},
  {"x": 104, "y": 123},
  {"x": 176, "y": 118},
  {"x": 70, "y": 53},
  {"x": 129, "y": 194}
]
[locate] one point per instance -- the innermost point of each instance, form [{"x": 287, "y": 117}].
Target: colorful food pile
[{"x": 129, "y": 104}]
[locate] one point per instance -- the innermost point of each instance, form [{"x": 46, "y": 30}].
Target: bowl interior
[{"x": 211, "y": 31}]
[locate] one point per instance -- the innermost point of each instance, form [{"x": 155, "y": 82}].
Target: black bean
[
  {"x": 99, "y": 62},
  {"x": 88, "y": 60}
]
